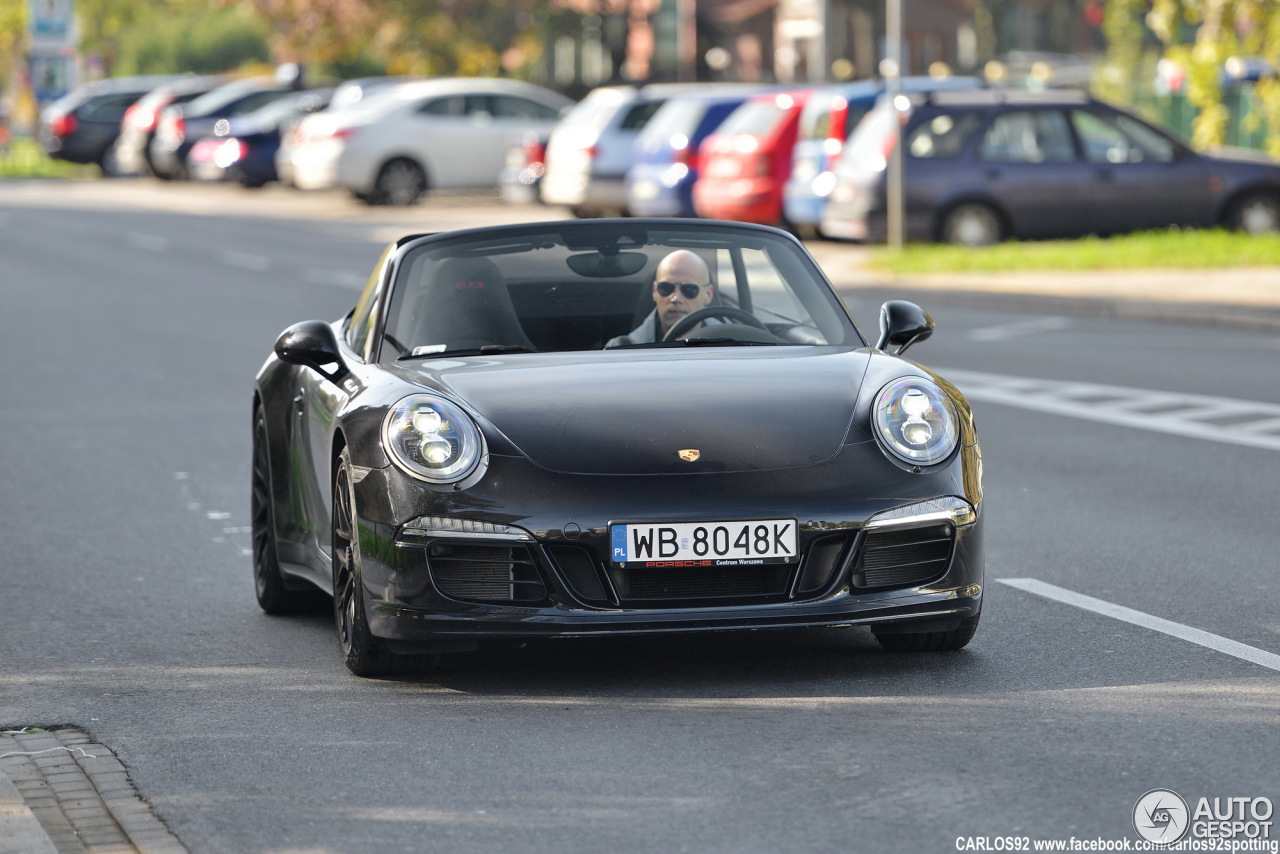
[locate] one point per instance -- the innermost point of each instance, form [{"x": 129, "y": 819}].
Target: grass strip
[
  {"x": 24, "y": 158},
  {"x": 1167, "y": 249}
]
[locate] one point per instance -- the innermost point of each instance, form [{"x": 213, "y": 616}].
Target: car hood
[{"x": 637, "y": 411}]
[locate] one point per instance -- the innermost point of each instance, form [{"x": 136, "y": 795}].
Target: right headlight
[
  {"x": 433, "y": 439},
  {"x": 914, "y": 421}
]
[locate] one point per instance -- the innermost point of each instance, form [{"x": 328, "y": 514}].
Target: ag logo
[{"x": 1161, "y": 815}]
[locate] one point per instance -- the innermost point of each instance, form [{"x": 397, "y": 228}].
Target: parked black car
[
  {"x": 138, "y": 128},
  {"x": 82, "y": 126},
  {"x": 243, "y": 149},
  {"x": 181, "y": 126},
  {"x": 987, "y": 165},
  {"x": 480, "y": 451}
]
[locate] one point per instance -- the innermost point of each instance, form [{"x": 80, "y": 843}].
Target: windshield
[
  {"x": 587, "y": 286},
  {"x": 753, "y": 117},
  {"x": 679, "y": 116},
  {"x": 274, "y": 112}
]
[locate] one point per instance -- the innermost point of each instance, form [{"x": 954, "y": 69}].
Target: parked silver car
[{"x": 411, "y": 137}]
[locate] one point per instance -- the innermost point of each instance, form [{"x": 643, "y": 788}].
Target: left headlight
[
  {"x": 915, "y": 421},
  {"x": 432, "y": 439}
]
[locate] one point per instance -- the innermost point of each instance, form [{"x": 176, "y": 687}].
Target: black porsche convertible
[{"x": 505, "y": 440}]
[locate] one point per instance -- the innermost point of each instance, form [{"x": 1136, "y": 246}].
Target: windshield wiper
[
  {"x": 719, "y": 342},
  {"x": 486, "y": 350}
]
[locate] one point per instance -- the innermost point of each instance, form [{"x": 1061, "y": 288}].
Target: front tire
[
  {"x": 972, "y": 224},
  {"x": 1255, "y": 213},
  {"x": 944, "y": 641},
  {"x": 364, "y": 654}
]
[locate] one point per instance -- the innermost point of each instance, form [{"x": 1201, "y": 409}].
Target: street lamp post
[{"x": 891, "y": 69}]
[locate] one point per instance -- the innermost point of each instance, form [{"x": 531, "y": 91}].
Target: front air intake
[
  {"x": 903, "y": 557},
  {"x": 485, "y": 573}
]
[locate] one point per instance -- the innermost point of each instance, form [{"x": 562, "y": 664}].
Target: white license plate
[{"x": 704, "y": 543}]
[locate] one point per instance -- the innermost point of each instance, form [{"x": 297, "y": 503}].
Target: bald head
[{"x": 681, "y": 267}]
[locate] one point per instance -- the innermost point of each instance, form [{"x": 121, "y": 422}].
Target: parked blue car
[
  {"x": 828, "y": 120},
  {"x": 660, "y": 181},
  {"x": 243, "y": 149}
]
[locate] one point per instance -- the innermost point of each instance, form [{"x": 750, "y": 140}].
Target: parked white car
[{"x": 405, "y": 139}]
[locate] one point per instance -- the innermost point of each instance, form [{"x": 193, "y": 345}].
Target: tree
[
  {"x": 1201, "y": 36},
  {"x": 318, "y": 34}
]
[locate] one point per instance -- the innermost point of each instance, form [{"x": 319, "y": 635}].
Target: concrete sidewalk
[{"x": 60, "y": 793}]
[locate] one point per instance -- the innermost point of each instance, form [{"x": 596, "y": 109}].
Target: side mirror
[
  {"x": 902, "y": 324},
  {"x": 312, "y": 344}
]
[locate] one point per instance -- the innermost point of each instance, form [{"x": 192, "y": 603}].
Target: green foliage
[
  {"x": 1201, "y": 36},
  {"x": 1169, "y": 249},
  {"x": 24, "y": 158},
  {"x": 13, "y": 25},
  {"x": 212, "y": 42},
  {"x": 349, "y": 68},
  {"x": 467, "y": 37},
  {"x": 1124, "y": 30}
]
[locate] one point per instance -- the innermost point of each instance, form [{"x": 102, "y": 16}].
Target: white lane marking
[
  {"x": 1138, "y": 618},
  {"x": 338, "y": 278},
  {"x": 1254, "y": 424},
  {"x": 245, "y": 260},
  {"x": 148, "y": 242},
  {"x": 1022, "y": 327},
  {"x": 1270, "y": 425}
]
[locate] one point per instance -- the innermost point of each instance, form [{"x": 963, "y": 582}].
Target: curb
[{"x": 61, "y": 793}]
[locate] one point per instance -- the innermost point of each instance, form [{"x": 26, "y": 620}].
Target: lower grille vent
[
  {"x": 578, "y": 567},
  {"x": 903, "y": 557},
  {"x": 485, "y": 573},
  {"x": 820, "y": 562},
  {"x": 693, "y": 583}
]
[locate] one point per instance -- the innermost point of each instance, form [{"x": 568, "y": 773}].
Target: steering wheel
[{"x": 727, "y": 312}]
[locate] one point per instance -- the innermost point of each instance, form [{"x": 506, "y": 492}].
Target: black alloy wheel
[
  {"x": 274, "y": 596},
  {"x": 363, "y": 653}
]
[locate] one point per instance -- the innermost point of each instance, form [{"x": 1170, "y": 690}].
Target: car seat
[{"x": 466, "y": 305}]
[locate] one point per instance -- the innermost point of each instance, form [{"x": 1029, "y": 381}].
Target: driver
[{"x": 682, "y": 285}]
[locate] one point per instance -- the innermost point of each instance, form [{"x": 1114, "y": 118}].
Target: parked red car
[{"x": 745, "y": 163}]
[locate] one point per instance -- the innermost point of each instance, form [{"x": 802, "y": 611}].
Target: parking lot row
[{"x": 981, "y": 164}]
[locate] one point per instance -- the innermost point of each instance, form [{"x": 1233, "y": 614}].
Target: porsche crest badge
[{"x": 690, "y": 455}]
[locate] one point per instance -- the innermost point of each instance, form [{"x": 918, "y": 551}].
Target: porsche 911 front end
[{"x": 483, "y": 454}]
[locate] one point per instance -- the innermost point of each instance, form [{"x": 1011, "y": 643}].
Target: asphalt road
[{"x": 133, "y": 327}]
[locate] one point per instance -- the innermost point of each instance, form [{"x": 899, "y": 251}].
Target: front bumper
[
  {"x": 424, "y": 591},
  {"x": 314, "y": 166}
]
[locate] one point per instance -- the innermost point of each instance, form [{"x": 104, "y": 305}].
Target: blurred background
[
  {"x": 1201, "y": 63},
  {"x": 192, "y": 89}
]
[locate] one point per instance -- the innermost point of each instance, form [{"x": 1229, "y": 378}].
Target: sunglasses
[{"x": 688, "y": 290}]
